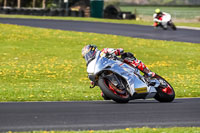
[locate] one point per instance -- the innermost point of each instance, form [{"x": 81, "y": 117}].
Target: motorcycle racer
[
  {"x": 89, "y": 51},
  {"x": 121, "y": 83},
  {"x": 158, "y": 18}
]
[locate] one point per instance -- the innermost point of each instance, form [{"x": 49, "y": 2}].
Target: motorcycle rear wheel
[
  {"x": 106, "y": 87},
  {"x": 172, "y": 25},
  {"x": 164, "y": 94}
]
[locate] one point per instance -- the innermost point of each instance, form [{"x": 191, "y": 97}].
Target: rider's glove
[
  {"x": 157, "y": 20},
  {"x": 151, "y": 74},
  {"x": 110, "y": 55},
  {"x": 119, "y": 51},
  {"x": 127, "y": 55}
]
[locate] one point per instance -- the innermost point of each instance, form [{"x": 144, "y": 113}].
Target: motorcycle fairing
[{"x": 100, "y": 64}]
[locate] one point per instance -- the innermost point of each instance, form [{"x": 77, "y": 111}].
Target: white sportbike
[
  {"x": 122, "y": 82},
  {"x": 164, "y": 22}
]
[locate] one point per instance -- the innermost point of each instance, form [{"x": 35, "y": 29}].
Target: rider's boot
[
  {"x": 140, "y": 65},
  {"x": 155, "y": 25}
]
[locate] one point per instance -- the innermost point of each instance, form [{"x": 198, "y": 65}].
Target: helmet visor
[{"x": 90, "y": 55}]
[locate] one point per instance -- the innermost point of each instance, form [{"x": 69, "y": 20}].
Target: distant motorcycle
[
  {"x": 122, "y": 82},
  {"x": 164, "y": 22}
]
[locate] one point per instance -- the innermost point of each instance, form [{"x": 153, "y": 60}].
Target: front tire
[
  {"x": 164, "y": 94},
  {"x": 106, "y": 88}
]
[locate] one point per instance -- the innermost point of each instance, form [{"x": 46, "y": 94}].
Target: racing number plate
[{"x": 141, "y": 90}]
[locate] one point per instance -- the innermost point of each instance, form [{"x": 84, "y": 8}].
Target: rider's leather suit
[{"x": 128, "y": 58}]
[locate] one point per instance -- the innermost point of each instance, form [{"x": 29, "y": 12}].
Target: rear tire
[
  {"x": 104, "y": 85},
  {"x": 172, "y": 25},
  {"x": 166, "y": 94}
]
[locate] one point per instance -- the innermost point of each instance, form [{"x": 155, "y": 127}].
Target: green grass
[
  {"x": 46, "y": 65},
  {"x": 132, "y": 130},
  {"x": 139, "y": 21}
]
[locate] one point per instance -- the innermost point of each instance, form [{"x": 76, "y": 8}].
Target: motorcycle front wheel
[
  {"x": 109, "y": 91},
  {"x": 164, "y": 93}
]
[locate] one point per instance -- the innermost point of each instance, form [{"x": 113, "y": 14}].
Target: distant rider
[{"x": 158, "y": 18}]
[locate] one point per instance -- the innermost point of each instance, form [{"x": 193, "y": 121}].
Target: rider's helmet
[
  {"x": 157, "y": 11},
  {"x": 89, "y": 52}
]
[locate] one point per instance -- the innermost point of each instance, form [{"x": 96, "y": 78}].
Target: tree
[
  {"x": 5, "y": 3},
  {"x": 18, "y": 3},
  {"x": 33, "y": 4},
  {"x": 43, "y": 4}
]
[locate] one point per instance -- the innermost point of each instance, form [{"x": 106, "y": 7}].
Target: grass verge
[{"x": 46, "y": 65}]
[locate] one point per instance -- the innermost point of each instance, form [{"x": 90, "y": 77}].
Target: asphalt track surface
[
  {"x": 94, "y": 115},
  {"x": 131, "y": 30}
]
